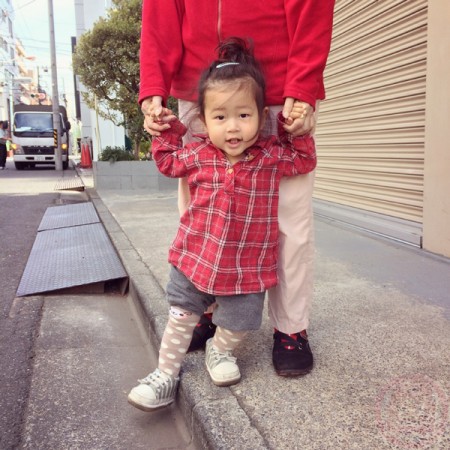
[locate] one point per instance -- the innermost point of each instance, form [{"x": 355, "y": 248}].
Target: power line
[
  {"x": 23, "y": 6},
  {"x": 45, "y": 41}
]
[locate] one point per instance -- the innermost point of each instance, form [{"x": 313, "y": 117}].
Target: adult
[
  {"x": 3, "y": 143},
  {"x": 292, "y": 40}
]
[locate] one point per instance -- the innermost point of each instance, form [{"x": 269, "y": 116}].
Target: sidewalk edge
[{"x": 216, "y": 422}]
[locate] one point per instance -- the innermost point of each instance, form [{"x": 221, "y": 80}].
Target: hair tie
[{"x": 229, "y": 63}]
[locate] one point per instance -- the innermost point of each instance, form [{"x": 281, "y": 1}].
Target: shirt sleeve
[
  {"x": 168, "y": 151},
  {"x": 310, "y": 24},
  {"x": 161, "y": 46}
]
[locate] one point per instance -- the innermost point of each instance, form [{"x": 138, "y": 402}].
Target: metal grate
[
  {"x": 71, "y": 250},
  {"x": 70, "y": 184},
  {"x": 68, "y": 216},
  {"x": 69, "y": 257}
]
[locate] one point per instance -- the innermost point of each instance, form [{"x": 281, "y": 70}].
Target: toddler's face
[{"x": 232, "y": 119}]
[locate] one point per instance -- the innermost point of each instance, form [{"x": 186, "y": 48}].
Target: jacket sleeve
[
  {"x": 167, "y": 150},
  {"x": 298, "y": 154},
  {"x": 161, "y": 46},
  {"x": 310, "y": 24}
]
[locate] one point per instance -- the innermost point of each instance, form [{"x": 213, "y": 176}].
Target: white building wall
[
  {"x": 8, "y": 69},
  {"x": 102, "y": 132}
]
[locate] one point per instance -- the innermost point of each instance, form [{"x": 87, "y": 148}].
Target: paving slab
[{"x": 380, "y": 334}]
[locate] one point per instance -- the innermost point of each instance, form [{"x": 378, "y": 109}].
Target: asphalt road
[
  {"x": 24, "y": 197},
  {"x": 63, "y": 378}
]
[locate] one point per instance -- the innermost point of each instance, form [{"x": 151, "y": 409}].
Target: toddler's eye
[
  {"x": 219, "y": 117},
  {"x": 244, "y": 115}
]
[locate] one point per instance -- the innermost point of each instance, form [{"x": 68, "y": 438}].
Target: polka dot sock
[
  {"x": 176, "y": 339},
  {"x": 226, "y": 340}
]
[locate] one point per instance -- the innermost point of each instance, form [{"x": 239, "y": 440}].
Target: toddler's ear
[{"x": 264, "y": 114}]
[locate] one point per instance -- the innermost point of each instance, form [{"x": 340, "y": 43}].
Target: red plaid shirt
[{"x": 227, "y": 241}]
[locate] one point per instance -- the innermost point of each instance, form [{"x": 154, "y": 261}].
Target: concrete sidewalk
[{"x": 380, "y": 334}]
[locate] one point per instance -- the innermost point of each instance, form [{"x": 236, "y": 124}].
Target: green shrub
[
  {"x": 113, "y": 154},
  {"x": 145, "y": 145}
]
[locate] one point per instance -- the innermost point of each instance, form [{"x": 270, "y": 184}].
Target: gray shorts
[{"x": 234, "y": 312}]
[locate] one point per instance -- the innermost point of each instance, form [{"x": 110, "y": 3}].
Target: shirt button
[{"x": 230, "y": 171}]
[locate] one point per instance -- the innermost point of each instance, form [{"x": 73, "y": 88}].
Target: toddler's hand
[
  {"x": 299, "y": 117},
  {"x": 166, "y": 116},
  {"x": 298, "y": 111},
  {"x": 153, "y": 110}
]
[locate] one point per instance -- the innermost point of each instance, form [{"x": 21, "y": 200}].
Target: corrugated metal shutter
[{"x": 371, "y": 128}]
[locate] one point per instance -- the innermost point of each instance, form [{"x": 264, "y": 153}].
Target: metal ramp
[
  {"x": 69, "y": 216},
  {"x": 72, "y": 253},
  {"x": 69, "y": 184}
]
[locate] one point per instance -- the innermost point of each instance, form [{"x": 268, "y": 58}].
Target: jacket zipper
[{"x": 219, "y": 20}]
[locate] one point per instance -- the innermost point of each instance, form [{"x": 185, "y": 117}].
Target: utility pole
[
  {"x": 11, "y": 98},
  {"x": 55, "y": 94}
]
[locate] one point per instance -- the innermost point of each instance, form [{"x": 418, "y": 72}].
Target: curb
[{"x": 213, "y": 414}]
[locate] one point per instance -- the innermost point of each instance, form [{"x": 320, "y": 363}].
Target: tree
[{"x": 107, "y": 62}]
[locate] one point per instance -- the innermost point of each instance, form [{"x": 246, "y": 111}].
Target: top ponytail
[{"x": 235, "y": 62}]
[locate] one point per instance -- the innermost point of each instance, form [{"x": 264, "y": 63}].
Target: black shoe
[
  {"x": 204, "y": 330},
  {"x": 292, "y": 355}
]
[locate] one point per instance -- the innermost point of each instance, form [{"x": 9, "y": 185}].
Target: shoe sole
[
  {"x": 148, "y": 408},
  {"x": 293, "y": 372},
  {"x": 223, "y": 383}
]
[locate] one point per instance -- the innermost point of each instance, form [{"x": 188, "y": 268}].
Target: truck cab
[{"x": 32, "y": 136}]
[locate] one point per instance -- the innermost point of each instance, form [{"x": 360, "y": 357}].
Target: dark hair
[{"x": 238, "y": 51}]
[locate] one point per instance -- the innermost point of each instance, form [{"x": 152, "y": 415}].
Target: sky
[{"x": 31, "y": 26}]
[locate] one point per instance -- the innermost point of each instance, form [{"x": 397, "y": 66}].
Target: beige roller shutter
[{"x": 370, "y": 136}]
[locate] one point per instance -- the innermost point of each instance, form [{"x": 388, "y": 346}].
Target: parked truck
[{"x": 33, "y": 141}]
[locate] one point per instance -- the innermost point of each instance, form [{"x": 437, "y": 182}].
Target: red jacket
[{"x": 291, "y": 40}]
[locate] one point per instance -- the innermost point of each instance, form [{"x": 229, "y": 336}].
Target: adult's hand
[
  {"x": 300, "y": 118},
  {"x": 152, "y": 109}
]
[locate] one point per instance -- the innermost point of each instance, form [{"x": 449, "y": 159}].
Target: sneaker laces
[
  {"x": 219, "y": 357},
  {"x": 155, "y": 379}
]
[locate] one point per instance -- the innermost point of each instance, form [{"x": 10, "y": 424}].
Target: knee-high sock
[
  {"x": 176, "y": 339},
  {"x": 226, "y": 340}
]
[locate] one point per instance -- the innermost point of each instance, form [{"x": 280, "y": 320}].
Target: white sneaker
[
  {"x": 222, "y": 367},
  {"x": 155, "y": 391}
]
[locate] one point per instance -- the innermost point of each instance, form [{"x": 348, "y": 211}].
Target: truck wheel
[{"x": 19, "y": 165}]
